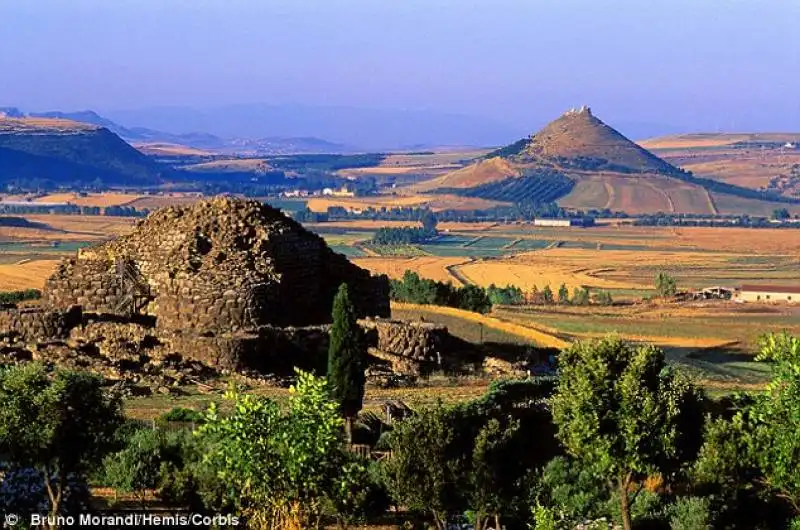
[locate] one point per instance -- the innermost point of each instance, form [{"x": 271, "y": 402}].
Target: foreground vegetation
[{"x": 618, "y": 435}]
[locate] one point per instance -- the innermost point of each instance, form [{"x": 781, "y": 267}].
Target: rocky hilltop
[
  {"x": 580, "y": 162},
  {"x": 580, "y": 140}
]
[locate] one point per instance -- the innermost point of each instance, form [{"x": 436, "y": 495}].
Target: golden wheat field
[
  {"x": 629, "y": 269},
  {"x": 84, "y": 226},
  {"x": 153, "y": 202},
  {"x": 539, "y": 337},
  {"x": 92, "y": 199},
  {"x": 742, "y": 240},
  {"x": 430, "y": 267},
  {"x": 165, "y": 149},
  {"x": 26, "y": 274}
]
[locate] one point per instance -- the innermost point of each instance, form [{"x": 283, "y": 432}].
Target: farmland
[{"x": 621, "y": 259}]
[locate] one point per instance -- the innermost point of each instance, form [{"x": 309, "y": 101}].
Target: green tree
[
  {"x": 278, "y": 468},
  {"x": 493, "y": 473},
  {"x": 429, "y": 222},
  {"x": 347, "y": 359},
  {"x": 59, "y": 423},
  {"x": 604, "y": 298},
  {"x": 563, "y": 294},
  {"x": 776, "y": 417},
  {"x": 580, "y": 296},
  {"x": 665, "y": 285},
  {"x": 149, "y": 459},
  {"x": 620, "y": 409},
  {"x": 474, "y": 298},
  {"x": 547, "y": 294},
  {"x": 781, "y": 214},
  {"x": 422, "y": 474}
]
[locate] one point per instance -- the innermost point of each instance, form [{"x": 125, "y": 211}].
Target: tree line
[
  {"x": 413, "y": 289},
  {"x": 72, "y": 209}
]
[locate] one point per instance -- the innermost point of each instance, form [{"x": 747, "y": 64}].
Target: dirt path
[
  {"x": 612, "y": 195},
  {"x": 670, "y": 204},
  {"x": 453, "y": 271},
  {"x": 711, "y": 204}
]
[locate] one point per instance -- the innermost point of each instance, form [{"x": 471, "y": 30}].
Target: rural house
[
  {"x": 768, "y": 293},
  {"x": 564, "y": 222}
]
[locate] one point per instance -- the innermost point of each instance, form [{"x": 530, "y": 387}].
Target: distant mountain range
[
  {"x": 200, "y": 140},
  {"x": 364, "y": 128}
]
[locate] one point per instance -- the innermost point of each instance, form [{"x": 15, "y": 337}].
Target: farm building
[
  {"x": 574, "y": 221},
  {"x": 768, "y": 293}
]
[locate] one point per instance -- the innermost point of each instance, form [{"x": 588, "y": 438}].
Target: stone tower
[{"x": 221, "y": 265}]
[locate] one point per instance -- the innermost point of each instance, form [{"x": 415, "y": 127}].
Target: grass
[
  {"x": 427, "y": 392},
  {"x": 288, "y": 205},
  {"x": 466, "y": 319}
]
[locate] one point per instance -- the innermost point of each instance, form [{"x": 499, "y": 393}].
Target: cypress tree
[{"x": 347, "y": 359}]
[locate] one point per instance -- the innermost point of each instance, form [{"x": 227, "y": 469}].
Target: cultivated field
[
  {"x": 231, "y": 164},
  {"x": 29, "y": 255},
  {"x": 431, "y": 267},
  {"x": 92, "y": 199},
  {"x": 153, "y": 202},
  {"x": 26, "y": 274},
  {"x": 434, "y": 202},
  {"x": 623, "y": 259}
]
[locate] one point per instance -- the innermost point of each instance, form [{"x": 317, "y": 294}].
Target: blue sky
[{"x": 685, "y": 64}]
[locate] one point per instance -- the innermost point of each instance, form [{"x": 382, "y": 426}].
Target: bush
[
  {"x": 578, "y": 493},
  {"x": 690, "y": 513},
  {"x": 543, "y": 518},
  {"x": 182, "y": 414},
  {"x": 148, "y": 461},
  {"x": 13, "y": 297}
]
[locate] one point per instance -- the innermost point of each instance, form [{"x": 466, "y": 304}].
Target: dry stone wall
[
  {"x": 33, "y": 324},
  {"x": 91, "y": 284}
]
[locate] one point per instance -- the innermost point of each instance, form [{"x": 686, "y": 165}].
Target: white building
[
  {"x": 768, "y": 293},
  {"x": 565, "y": 222}
]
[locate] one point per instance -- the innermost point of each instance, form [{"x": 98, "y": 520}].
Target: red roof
[{"x": 771, "y": 288}]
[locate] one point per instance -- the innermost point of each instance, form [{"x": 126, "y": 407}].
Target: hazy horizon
[{"x": 660, "y": 67}]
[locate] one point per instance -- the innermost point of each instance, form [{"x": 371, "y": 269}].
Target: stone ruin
[
  {"x": 219, "y": 266},
  {"x": 224, "y": 285}
]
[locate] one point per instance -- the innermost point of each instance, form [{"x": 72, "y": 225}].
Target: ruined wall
[
  {"x": 91, "y": 284},
  {"x": 34, "y": 324},
  {"x": 423, "y": 342},
  {"x": 278, "y": 350}
]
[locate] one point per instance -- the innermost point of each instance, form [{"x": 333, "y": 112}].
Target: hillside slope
[
  {"x": 63, "y": 152},
  {"x": 607, "y": 171},
  {"x": 579, "y": 140}
]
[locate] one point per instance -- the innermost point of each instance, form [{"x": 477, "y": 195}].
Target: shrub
[
  {"x": 13, "y": 297},
  {"x": 182, "y": 414},
  {"x": 149, "y": 461},
  {"x": 690, "y": 513}
]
